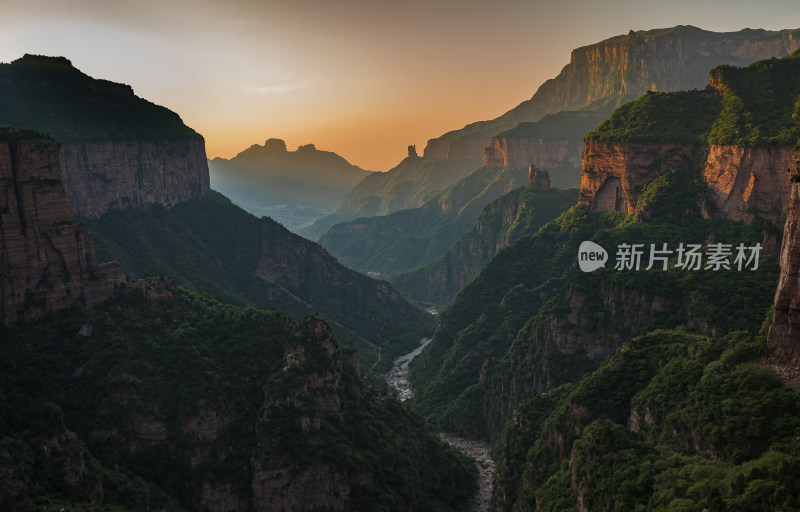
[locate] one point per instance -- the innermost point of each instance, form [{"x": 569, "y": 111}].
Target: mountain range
[
  {"x": 663, "y": 379},
  {"x": 293, "y": 187},
  {"x": 599, "y": 77},
  {"x": 134, "y": 394}
]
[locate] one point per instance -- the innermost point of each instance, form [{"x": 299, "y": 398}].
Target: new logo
[{"x": 591, "y": 256}]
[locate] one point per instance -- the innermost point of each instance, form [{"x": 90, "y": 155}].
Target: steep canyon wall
[{"x": 46, "y": 261}]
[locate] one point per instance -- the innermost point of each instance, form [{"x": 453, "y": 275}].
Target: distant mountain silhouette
[{"x": 293, "y": 187}]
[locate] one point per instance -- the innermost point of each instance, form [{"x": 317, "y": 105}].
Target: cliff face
[
  {"x": 519, "y": 153},
  {"x": 118, "y": 150},
  {"x": 613, "y": 172},
  {"x": 750, "y": 181},
  {"x": 745, "y": 182},
  {"x": 783, "y": 339},
  {"x": 672, "y": 59},
  {"x": 101, "y": 176},
  {"x": 47, "y": 261}
]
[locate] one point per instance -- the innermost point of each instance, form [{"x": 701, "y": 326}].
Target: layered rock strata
[
  {"x": 783, "y": 338},
  {"x": 46, "y": 261},
  {"x": 102, "y": 176},
  {"x": 745, "y": 182}
]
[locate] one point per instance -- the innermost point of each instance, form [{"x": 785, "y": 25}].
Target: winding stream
[{"x": 397, "y": 378}]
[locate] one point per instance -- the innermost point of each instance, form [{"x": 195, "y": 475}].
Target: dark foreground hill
[
  {"x": 118, "y": 151},
  {"x": 166, "y": 399},
  {"x": 211, "y": 245}
]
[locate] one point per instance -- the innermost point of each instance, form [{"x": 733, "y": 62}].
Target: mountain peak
[
  {"x": 276, "y": 145},
  {"x": 30, "y": 59}
]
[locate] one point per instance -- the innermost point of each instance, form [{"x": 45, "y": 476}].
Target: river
[{"x": 397, "y": 378}]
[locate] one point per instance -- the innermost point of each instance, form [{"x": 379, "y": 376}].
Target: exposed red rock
[
  {"x": 783, "y": 338},
  {"x": 46, "y": 261},
  {"x": 749, "y": 181},
  {"x": 745, "y": 181},
  {"x": 101, "y": 176},
  {"x": 538, "y": 178},
  {"x": 612, "y": 172}
]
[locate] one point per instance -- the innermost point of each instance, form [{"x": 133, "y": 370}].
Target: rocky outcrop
[
  {"x": 745, "y": 182},
  {"x": 282, "y": 480},
  {"x": 614, "y": 172},
  {"x": 118, "y": 150},
  {"x": 102, "y": 176},
  {"x": 783, "y": 339},
  {"x": 519, "y": 153},
  {"x": 46, "y": 261},
  {"x": 749, "y": 181},
  {"x": 538, "y": 178}
]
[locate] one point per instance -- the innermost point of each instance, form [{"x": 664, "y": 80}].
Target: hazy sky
[{"x": 361, "y": 78}]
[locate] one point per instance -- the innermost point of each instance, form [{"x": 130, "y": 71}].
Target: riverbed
[{"x": 397, "y": 378}]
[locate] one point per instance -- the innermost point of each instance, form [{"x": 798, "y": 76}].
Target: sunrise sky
[{"x": 361, "y": 78}]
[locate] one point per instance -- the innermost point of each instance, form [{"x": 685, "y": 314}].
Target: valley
[
  {"x": 397, "y": 378},
  {"x": 164, "y": 345}
]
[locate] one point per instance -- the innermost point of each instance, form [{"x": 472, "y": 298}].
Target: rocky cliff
[
  {"x": 520, "y": 153},
  {"x": 102, "y": 176},
  {"x": 47, "y": 262},
  {"x": 744, "y": 182},
  {"x": 738, "y": 131},
  {"x": 613, "y": 173},
  {"x": 783, "y": 339},
  {"x": 118, "y": 150},
  {"x": 671, "y": 59}
]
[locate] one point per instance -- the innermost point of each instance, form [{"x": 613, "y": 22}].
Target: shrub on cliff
[
  {"x": 672, "y": 421},
  {"x": 750, "y": 106}
]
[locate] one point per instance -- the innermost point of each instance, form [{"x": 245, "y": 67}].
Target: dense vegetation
[
  {"x": 673, "y": 421},
  {"x": 570, "y": 124},
  {"x": 520, "y": 212},
  {"x": 10, "y": 134},
  {"x": 751, "y": 106},
  {"x": 208, "y": 244},
  {"x": 532, "y": 320},
  {"x": 182, "y": 393},
  {"x": 408, "y": 185},
  {"x": 49, "y": 95},
  {"x": 409, "y": 238}
]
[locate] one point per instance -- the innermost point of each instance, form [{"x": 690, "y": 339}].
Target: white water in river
[{"x": 397, "y": 378}]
